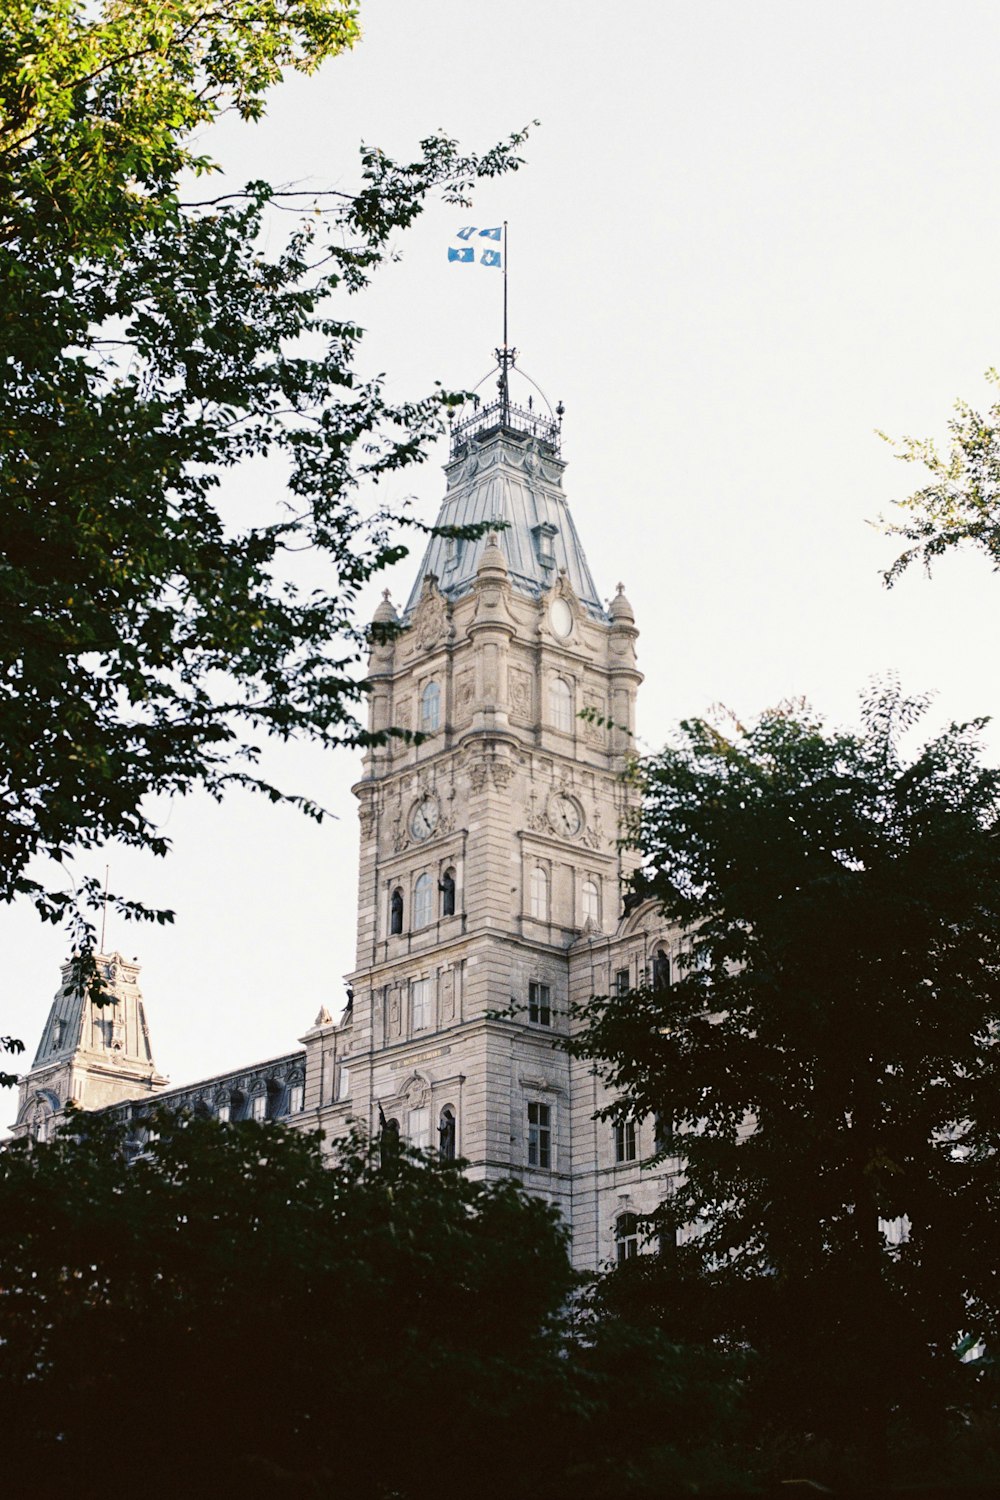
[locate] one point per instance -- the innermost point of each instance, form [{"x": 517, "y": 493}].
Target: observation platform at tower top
[{"x": 500, "y": 416}]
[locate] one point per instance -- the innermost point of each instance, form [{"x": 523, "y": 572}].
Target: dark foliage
[
  {"x": 828, "y": 1058},
  {"x": 237, "y": 1311}
]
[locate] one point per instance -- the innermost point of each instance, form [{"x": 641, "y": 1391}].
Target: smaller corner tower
[{"x": 90, "y": 1055}]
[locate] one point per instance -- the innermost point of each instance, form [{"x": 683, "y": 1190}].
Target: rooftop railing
[{"x": 507, "y": 415}]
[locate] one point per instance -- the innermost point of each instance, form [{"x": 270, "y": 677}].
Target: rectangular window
[
  {"x": 224, "y": 1113},
  {"x": 418, "y": 1128},
  {"x": 621, "y": 982},
  {"x": 296, "y": 1097},
  {"x": 421, "y": 1004},
  {"x": 258, "y": 1107},
  {"x": 539, "y": 1008},
  {"x": 625, "y": 1141},
  {"x": 539, "y": 1136},
  {"x": 344, "y": 1082}
]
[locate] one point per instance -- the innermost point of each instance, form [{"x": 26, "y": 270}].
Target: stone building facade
[{"x": 491, "y": 875}]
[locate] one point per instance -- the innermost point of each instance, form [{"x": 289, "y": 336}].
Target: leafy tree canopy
[
  {"x": 239, "y": 1311},
  {"x": 961, "y": 501},
  {"x": 827, "y": 1055},
  {"x": 150, "y": 636}
]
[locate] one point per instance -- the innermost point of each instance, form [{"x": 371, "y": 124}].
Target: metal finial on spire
[{"x": 506, "y": 358}]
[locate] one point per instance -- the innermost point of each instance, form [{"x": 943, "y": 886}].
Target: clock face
[
  {"x": 424, "y": 818},
  {"x": 564, "y": 815}
]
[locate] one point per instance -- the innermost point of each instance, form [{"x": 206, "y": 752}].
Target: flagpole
[
  {"x": 505, "y": 354},
  {"x": 505, "y": 283}
]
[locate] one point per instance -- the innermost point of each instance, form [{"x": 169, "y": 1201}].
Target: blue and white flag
[{"x": 470, "y": 252}]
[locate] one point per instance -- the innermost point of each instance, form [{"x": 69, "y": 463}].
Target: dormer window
[
  {"x": 430, "y": 708},
  {"x": 544, "y": 535}
]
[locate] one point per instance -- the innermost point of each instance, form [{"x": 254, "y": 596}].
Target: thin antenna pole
[{"x": 104, "y": 911}]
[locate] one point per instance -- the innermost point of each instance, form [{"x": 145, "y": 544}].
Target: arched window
[
  {"x": 539, "y": 894},
  {"x": 591, "y": 902},
  {"x": 448, "y": 893},
  {"x": 626, "y": 1237},
  {"x": 423, "y": 905},
  {"x": 446, "y": 1134},
  {"x": 396, "y": 911},
  {"x": 661, "y": 970},
  {"x": 561, "y": 704},
  {"x": 430, "y": 708}
]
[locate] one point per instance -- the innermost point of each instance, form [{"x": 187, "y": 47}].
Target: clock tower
[{"x": 490, "y": 861}]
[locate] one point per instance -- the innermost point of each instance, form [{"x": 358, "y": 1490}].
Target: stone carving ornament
[
  {"x": 535, "y": 818},
  {"x": 478, "y": 771},
  {"x": 520, "y": 693},
  {"x": 503, "y": 774},
  {"x": 432, "y": 620},
  {"x": 465, "y": 694}
]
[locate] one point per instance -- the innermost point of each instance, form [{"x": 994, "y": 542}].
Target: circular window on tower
[{"x": 560, "y": 618}]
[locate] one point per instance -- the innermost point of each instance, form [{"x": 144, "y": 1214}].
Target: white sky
[{"x": 746, "y": 237}]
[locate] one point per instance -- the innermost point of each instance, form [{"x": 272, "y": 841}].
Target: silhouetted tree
[{"x": 828, "y": 1057}]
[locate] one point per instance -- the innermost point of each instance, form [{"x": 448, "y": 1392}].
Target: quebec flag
[{"x": 473, "y": 251}]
